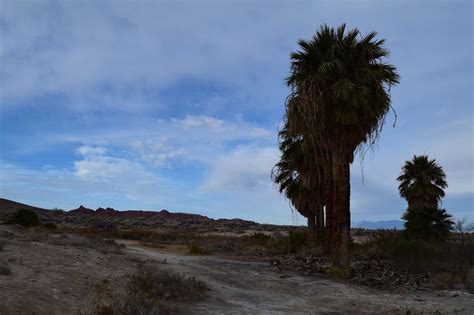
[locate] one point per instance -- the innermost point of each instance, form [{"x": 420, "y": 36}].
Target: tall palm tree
[
  {"x": 295, "y": 179},
  {"x": 339, "y": 99},
  {"x": 422, "y": 182},
  {"x": 288, "y": 174}
]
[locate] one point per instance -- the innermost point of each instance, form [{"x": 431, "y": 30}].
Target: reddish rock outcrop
[{"x": 163, "y": 214}]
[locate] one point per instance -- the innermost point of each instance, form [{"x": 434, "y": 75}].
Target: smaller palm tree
[
  {"x": 296, "y": 179},
  {"x": 427, "y": 223},
  {"x": 422, "y": 182}
]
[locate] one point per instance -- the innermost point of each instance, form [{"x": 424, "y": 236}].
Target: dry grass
[
  {"x": 448, "y": 265},
  {"x": 152, "y": 291},
  {"x": 196, "y": 250}
]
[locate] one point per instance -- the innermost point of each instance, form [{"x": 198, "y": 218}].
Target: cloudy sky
[{"x": 176, "y": 104}]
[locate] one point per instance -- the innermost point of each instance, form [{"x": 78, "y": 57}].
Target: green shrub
[
  {"x": 427, "y": 223},
  {"x": 25, "y": 217},
  {"x": 4, "y": 270},
  {"x": 413, "y": 254},
  {"x": 417, "y": 255},
  {"x": 296, "y": 241}
]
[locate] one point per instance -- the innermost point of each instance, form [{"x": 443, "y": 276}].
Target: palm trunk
[
  {"x": 330, "y": 221},
  {"x": 341, "y": 178},
  {"x": 311, "y": 231},
  {"x": 320, "y": 226}
]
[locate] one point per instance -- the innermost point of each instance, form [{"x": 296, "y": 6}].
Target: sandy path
[{"x": 253, "y": 287}]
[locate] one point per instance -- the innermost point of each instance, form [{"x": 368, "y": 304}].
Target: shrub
[
  {"x": 469, "y": 282},
  {"x": 445, "y": 280},
  {"x": 413, "y": 255},
  {"x": 427, "y": 223},
  {"x": 25, "y": 217},
  {"x": 338, "y": 273},
  {"x": 160, "y": 284},
  {"x": 196, "y": 250},
  {"x": 50, "y": 226},
  {"x": 151, "y": 291},
  {"x": 296, "y": 241},
  {"x": 261, "y": 238},
  {"x": 4, "y": 270}
]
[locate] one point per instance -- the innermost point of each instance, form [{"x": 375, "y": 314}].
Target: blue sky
[{"x": 176, "y": 104}]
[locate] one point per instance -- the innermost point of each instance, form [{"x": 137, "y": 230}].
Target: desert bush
[
  {"x": 469, "y": 280},
  {"x": 427, "y": 223},
  {"x": 149, "y": 235},
  {"x": 49, "y": 226},
  {"x": 25, "y": 217},
  {"x": 104, "y": 226},
  {"x": 445, "y": 280},
  {"x": 296, "y": 241},
  {"x": 155, "y": 292},
  {"x": 196, "y": 250},
  {"x": 338, "y": 273},
  {"x": 261, "y": 238},
  {"x": 160, "y": 284},
  {"x": 464, "y": 241},
  {"x": 5, "y": 271},
  {"x": 448, "y": 263},
  {"x": 417, "y": 255}
]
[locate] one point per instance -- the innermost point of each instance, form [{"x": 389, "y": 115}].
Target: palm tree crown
[
  {"x": 340, "y": 87},
  {"x": 422, "y": 181}
]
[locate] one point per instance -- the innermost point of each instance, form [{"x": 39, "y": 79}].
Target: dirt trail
[{"x": 253, "y": 287}]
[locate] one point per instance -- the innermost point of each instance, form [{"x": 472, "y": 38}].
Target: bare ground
[
  {"x": 59, "y": 274},
  {"x": 239, "y": 287}
]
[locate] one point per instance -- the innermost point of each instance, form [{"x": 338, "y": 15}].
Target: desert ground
[{"x": 65, "y": 271}]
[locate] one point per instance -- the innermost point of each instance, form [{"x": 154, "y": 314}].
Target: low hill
[
  {"x": 8, "y": 206},
  {"x": 163, "y": 214}
]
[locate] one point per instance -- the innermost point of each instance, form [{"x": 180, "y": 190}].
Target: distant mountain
[
  {"x": 163, "y": 214},
  {"x": 379, "y": 225},
  {"x": 7, "y": 207}
]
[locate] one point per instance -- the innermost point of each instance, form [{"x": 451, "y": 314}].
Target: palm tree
[
  {"x": 293, "y": 179},
  {"x": 290, "y": 184},
  {"x": 339, "y": 99},
  {"x": 422, "y": 182},
  {"x": 427, "y": 222}
]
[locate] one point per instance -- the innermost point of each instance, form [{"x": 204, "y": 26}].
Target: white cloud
[
  {"x": 109, "y": 169},
  {"x": 200, "y": 121},
  {"x": 164, "y": 141},
  {"x": 155, "y": 150},
  {"x": 246, "y": 168},
  {"x": 48, "y": 48},
  {"x": 91, "y": 150}
]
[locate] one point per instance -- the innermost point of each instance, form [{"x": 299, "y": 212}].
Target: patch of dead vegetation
[{"x": 149, "y": 291}]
